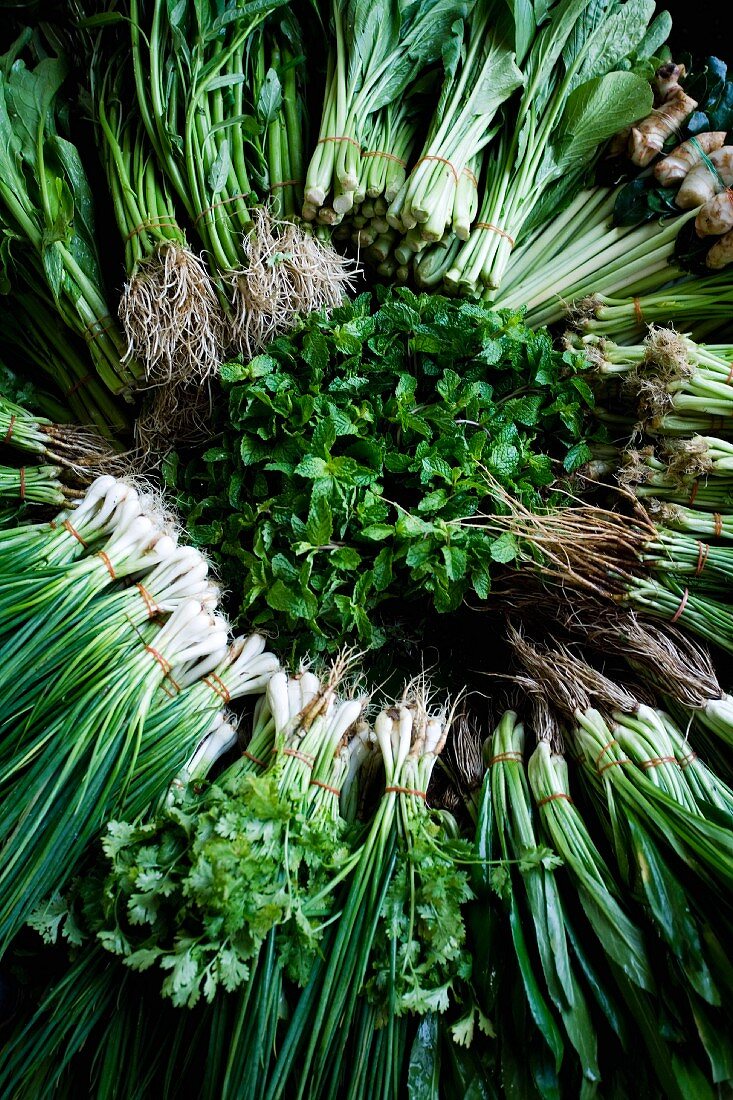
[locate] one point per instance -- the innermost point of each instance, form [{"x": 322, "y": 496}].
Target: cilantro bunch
[
  {"x": 207, "y": 887},
  {"x": 352, "y": 450}
]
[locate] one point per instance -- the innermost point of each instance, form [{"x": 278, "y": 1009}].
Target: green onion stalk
[
  {"x": 378, "y": 57},
  {"x": 698, "y": 305},
  {"x": 80, "y": 453},
  {"x": 384, "y": 948},
  {"x": 39, "y": 341},
  {"x": 683, "y": 853},
  {"x": 77, "y": 1009},
  {"x": 600, "y": 895},
  {"x": 46, "y": 206},
  {"x": 649, "y": 807},
  {"x": 35, "y": 485},
  {"x": 442, "y": 189},
  {"x": 561, "y": 264},
  {"x": 536, "y": 909},
  {"x": 557, "y": 128},
  {"x": 169, "y": 307},
  {"x": 33, "y": 692},
  {"x": 88, "y": 763}
]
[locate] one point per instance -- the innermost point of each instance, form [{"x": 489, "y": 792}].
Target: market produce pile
[{"x": 366, "y": 543}]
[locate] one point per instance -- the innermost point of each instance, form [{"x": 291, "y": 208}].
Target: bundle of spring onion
[
  {"x": 668, "y": 821},
  {"x": 86, "y": 732},
  {"x": 37, "y": 342},
  {"x": 82, "y": 453},
  {"x": 46, "y": 205},
  {"x": 217, "y": 95}
]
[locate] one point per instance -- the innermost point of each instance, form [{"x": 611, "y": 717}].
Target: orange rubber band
[
  {"x": 387, "y": 156},
  {"x": 110, "y": 568},
  {"x": 304, "y": 756},
  {"x": 687, "y": 760},
  {"x": 637, "y": 311},
  {"x": 553, "y": 797},
  {"x": 405, "y": 790},
  {"x": 254, "y": 759},
  {"x": 469, "y": 173},
  {"x": 495, "y": 229},
  {"x": 152, "y": 223},
  {"x": 74, "y": 532},
  {"x": 284, "y": 183},
  {"x": 164, "y": 664},
  {"x": 657, "y": 761},
  {"x": 681, "y": 608},
  {"x": 217, "y": 684},
  {"x": 442, "y": 160},
  {"x": 718, "y": 524},
  {"x": 22, "y": 482},
  {"x": 506, "y": 756},
  {"x": 613, "y": 764},
  {"x": 78, "y": 385},
  {"x": 9, "y": 432},
  {"x": 604, "y": 750},
  {"x": 702, "y": 557},
  {"x": 332, "y": 790},
  {"x": 216, "y": 205},
  {"x": 729, "y": 379},
  {"x": 89, "y": 332},
  {"x": 344, "y": 138},
  {"x": 694, "y": 492},
  {"x": 148, "y": 600}
]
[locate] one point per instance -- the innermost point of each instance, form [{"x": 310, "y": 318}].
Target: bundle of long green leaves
[{"x": 352, "y": 449}]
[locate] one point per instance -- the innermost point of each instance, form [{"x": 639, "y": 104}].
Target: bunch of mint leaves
[{"x": 352, "y": 450}]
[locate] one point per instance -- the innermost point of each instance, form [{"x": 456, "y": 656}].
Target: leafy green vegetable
[{"x": 353, "y": 448}]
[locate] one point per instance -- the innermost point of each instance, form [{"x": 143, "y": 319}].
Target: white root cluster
[
  {"x": 289, "y": 272},
  {"x": 172, "y": 317}
]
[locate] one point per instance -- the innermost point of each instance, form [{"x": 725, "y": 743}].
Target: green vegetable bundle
[
  {"x": 353, "y": 450},
  {"x": 46, "y": 208}
]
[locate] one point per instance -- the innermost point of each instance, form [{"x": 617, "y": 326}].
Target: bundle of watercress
[{"x": 352, "y": 449}]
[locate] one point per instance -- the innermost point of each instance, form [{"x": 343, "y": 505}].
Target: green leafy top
[{"x": 353, "y": 449}]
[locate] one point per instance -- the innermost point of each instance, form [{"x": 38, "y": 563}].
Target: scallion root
[
  {"x": 172, "y": 317},
  {"x": 289, "y": 272}
]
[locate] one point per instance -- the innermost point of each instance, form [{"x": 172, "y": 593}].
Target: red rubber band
[
  {"x": 495, "y": 229},
  {"x": 637, "y": 311},
  {"x": 9, "y": 433},
  {"x": 387, "y": 156},
  {"x": 681, "y": 608},
  {"x": 337, "y": 139},
  {"x": 110, "y": 568},
  {"x": 612, "y": 764},
  {"x": 694, "y": 492},
  {"x": 657, "y": 761},
  {"x": 216, "y": 205},
  {"x": 153, "y": 223},
  {"x": 702, "y": 557},
  {"x": 442, "y": 160},
  {"x": 148, "y": 600},
  {"x": 22, "y": 482},
  {"x": 687, "y": 760},
  {"x": 254, "y": 759},
  {"x": 603, "y": 750},
  {"x": 405, "y": 790},
  {"x": 332, "y": 790},
  {"x": 304, "y": 756},
  {"x": 90, "y": 335},
  {"x": 164, "y": 664},
  {"x": 78, "y": 385},
  {"x": 74, "y": 532},
  {"x": 217, "y": 684},
  {"x": 553, "y": 797},
  {"x": 718, "y": 522},
  {"x": 506, "y": 756}
]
